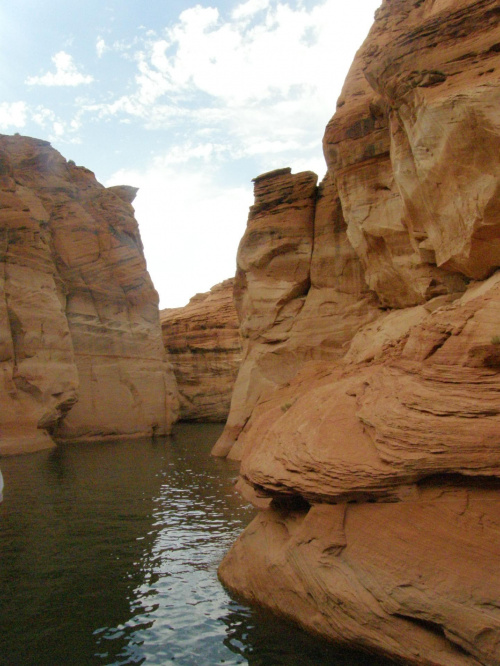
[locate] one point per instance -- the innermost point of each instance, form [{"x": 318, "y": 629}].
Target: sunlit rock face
[
  {"x": 80, "y": 349},
  {"x": 377, "y": 455},
  {"x": 299, "y": 290},
  {"x": 414, "y": 148},
  {"x": 203, "y": 344}
]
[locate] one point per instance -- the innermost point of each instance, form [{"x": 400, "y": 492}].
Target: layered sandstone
[
  {"x": 414, "y": 148},
  {"x": 203, "y": 343},
  {"x": 377, "y": 462},
  {"x": 299, "y": 289},
  {"x": 81, "y": 349}
]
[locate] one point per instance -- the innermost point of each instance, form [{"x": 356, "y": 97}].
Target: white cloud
[
  {"x": 66, "y": 73},
  {"x": 55, "y": 127},
  {"x": 266, "y": 76},
  {"x": 190, "y": 227},
  {"x": 43, "y": 116},
  {"x": 13, "y": 114},
  {"x": 248, "y": 9},
  {"x": 101, "y": 47}
]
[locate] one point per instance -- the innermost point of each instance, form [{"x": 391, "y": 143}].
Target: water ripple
[{"x": 109, "y": 556}]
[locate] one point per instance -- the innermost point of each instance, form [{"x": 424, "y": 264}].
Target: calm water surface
[{"x": 109, "y": 552}]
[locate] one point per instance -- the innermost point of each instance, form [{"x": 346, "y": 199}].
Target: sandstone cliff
[
  {"x": 203, "y": 344},
  {"x": 374, "y": 452},
  {"x": 80, "y": 348},
  {"x": 299, "y": 289}
]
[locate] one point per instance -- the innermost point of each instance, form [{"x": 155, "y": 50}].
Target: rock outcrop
[
  {"x": 203, "y": 344},
  {"x": 299, "y": 289},
  {"x": 80, "y": 348},
  {"x": 375, "y": 454}
]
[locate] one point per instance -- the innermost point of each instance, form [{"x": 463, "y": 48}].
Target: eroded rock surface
[
  {"x": 203, "y": 343},
  {"x": 414, "y": 148},
  {"x": 416, "y": 580},
  {"x": 299, "y": 289},
  {"x": 80, "y": 349},
  {"x": 375, "y": 459}
]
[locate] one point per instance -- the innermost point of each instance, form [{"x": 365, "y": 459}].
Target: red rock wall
[
  {"x": 81, "y": 351},
  {"x": 299, "y": 290},
  {"x": 203, "y": 343},
  {"x": 375, "y": 459}
]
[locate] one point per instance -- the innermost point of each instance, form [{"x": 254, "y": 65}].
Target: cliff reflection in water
[{"x": 109, "y": 555}]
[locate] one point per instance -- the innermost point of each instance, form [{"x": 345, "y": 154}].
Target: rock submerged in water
[
  {"x": 80, "y": 346},
  {"x": 366, "y": 413},
  {"x": 203, "y": 343}
]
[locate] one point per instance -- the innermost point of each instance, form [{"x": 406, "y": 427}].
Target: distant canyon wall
[
  {"x": 366, "y": 413},
  {"x": 203, "y": 344},
  {"x": 81, "y": 352}
]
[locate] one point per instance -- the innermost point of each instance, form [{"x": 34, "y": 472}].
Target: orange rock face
[
  {"x": 299, "y": 290},
  {"x": 80, "y": 349},
  {"x": 203, "y": 343},
  {"x": 377, "y": 451},
  {"x": 414, "y": 148}
]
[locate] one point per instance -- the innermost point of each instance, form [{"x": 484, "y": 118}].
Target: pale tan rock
[
  {"x": 272, "y": 279},
  {"x": 429, "y": 406},
  {"x": 421, "y": 213},
  {"x": 203, "y": 344},
  {"x": 39, "y": 380},
  {"x": 418, "y": 427},
  {"x": 81, "y": 348},
  {"x": 371, "y": 341}
]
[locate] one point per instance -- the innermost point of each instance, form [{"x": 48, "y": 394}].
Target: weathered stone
[
  {"x": 416, "y": 580},
  {"x": 80, "y": 348},
  {"x": 203, "y": 343},
  {"x": 378, "y": 459},
  {"x": 414, "y": 147},
  {"x": 298, "y": 300}
]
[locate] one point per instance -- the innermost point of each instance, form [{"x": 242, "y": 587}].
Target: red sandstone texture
[
  {"x": 80, "y": 349},
  {"x": 203, "y": 343},
  {"x": 299, "y": 289},
  {"x": 370, "y": 437}
]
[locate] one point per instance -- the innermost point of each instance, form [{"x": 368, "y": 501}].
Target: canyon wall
[
  {"x": 203, "y": 344},
  {"x": 366, "y": 413},
  {"x": 81, "y": 352},
  {"x": 299, "y": 289}
]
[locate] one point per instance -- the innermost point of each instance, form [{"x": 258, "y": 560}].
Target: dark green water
[{"x": 108, "y": 555}]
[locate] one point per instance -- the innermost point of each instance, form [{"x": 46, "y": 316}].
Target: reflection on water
[{"x": 108, "y": 555}]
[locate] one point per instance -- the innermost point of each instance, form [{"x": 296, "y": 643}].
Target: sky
[{"x": 188, "y": 101}]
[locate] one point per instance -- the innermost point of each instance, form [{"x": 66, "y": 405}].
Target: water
[{"x": 108, "y": 555}]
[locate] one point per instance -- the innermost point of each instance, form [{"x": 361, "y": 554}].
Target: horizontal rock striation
[
  {"x": 374, "y": 454},
  {"x": 80, "y": 350},
  {"x": 299, "y": 289},
  {"x": 203, "y": 344}
]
